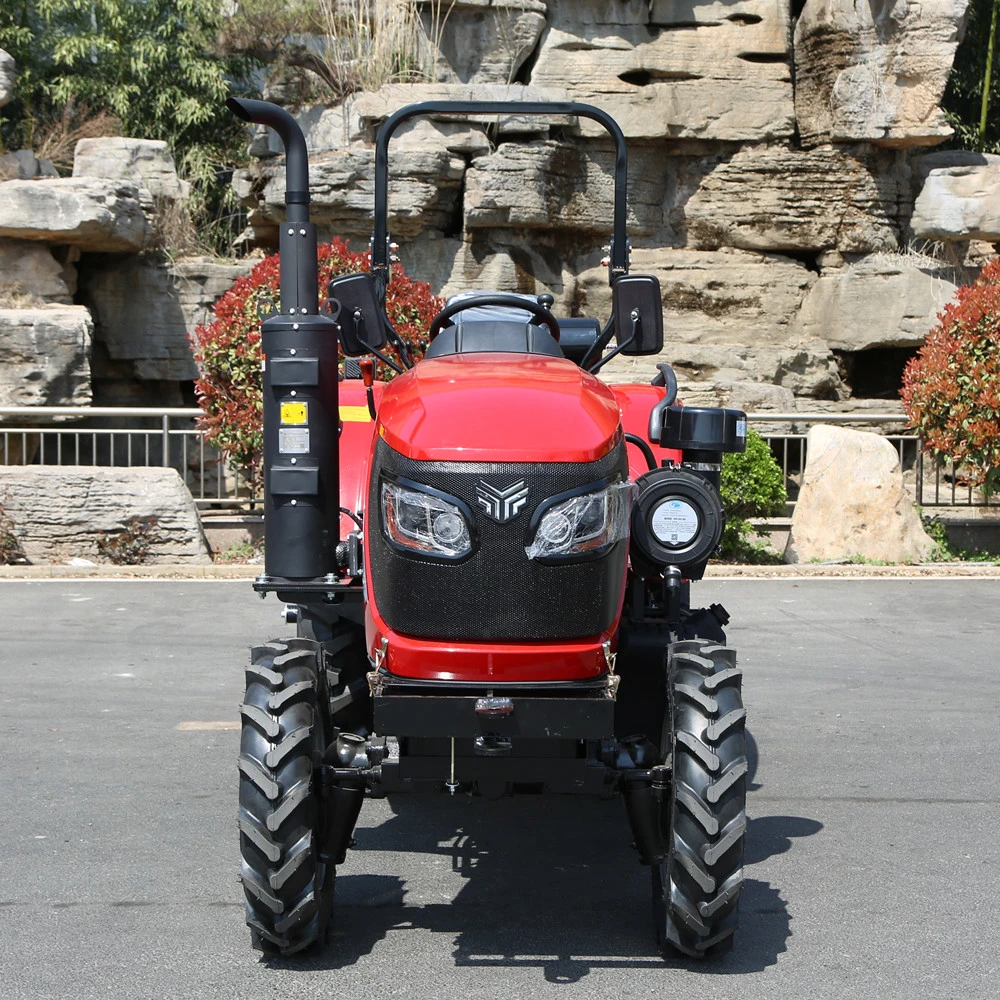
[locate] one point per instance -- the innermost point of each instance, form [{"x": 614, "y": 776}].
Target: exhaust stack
[{"x": 301, "y": 392}]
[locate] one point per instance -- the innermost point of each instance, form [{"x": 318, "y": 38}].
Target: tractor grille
[{"x": 497, "y": 593}]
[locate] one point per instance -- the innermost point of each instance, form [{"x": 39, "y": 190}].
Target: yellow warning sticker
[
  {"x": 294, "y": 413},
  {"x": 355, "y": 415}
]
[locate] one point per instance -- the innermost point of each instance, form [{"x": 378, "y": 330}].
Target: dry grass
[
  {"x": 16, "y": 296},
  {"x": 57, "y": 140}
]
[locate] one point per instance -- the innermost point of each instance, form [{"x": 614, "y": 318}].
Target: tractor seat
[{"x": 505, "y": 336}]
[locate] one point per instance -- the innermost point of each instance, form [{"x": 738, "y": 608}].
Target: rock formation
[
  {"x": 781, "y": 220},
  {"x": 8, "y": 73},
  {"x": 61, "y": 512},
  {"x": 852, "y": 502}
]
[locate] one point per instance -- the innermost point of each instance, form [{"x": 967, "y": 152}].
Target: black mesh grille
[{"x": 498, "y": 593}]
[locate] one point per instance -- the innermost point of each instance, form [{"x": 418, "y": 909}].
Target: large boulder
[
  {"x": 959, "y": 198},
  {"x": 852, "y": 502},
  {"x": 147, "y": 163},
  {"x": 713, "y": 297},
  {"x": 374, "y": 108},
  {"x": 45, "y": 356},
  {"x": 679, "y": 71},
  {"x": 482, "y": 41},
  {"x": 62, "y": 512},
  {"x": 771, "y": 198},
  {"x": 880, "y": 301},
  {"x": 8, "y": 74},
  {"x": 144, "y": 310},
  {"x": 23, "y": 165},
  {"x": 527, "y": 185},
  {"x": 424, "y": 190},
  {"x": 87, "y": 212},
  {"x": 29, "y": 269},
  {"x": 875, "y": 71}
]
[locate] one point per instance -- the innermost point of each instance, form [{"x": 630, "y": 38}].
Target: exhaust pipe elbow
[{"x": 296, "y": 159}]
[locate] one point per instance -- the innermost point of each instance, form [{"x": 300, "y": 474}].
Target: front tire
[
  {"x": 696, "y": 891},
  {"x": 287, "y": 883}
]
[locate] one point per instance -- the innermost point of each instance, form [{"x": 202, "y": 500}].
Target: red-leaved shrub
[
  {"x": 227, "y": 350},
  {"x": 951, "y": 389}
]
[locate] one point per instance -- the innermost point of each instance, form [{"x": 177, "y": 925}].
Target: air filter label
[{"x": 675, "y": 522}]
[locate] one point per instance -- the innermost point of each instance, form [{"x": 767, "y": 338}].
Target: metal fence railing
[
  {"x": 151, "y": 436},
  {"x": 123, "y": 436},
  {"x": 933, "y": 484}
]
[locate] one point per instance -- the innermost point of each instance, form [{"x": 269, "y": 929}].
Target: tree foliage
[
  {"x": 951, "y": 389},
  {"x": 963, "y": 96},
  {"x": 154, "y": 64},
  {"x": 227, "y": 350}
]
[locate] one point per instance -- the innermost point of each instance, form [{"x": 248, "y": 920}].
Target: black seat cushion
[{"x": 502, "y": 335}]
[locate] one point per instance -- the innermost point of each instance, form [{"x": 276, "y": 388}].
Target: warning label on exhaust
[{"x": 294, "y": 413}]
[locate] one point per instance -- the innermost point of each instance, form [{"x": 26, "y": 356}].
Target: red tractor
[{"x": 488, "y": 560}]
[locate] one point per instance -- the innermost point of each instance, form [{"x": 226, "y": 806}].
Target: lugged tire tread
[
  {"x": 726, "y": 780},
  {"x": 259, "y": 836},
  {"x": 268, "y": 726},
  {"x": 284, "y": 879},
  {"x": 276, "y": 756},
  {"x": 281, "y": 699},
  {"x": 290, "y": 802},
  {"x": 255, "y": 771},
  {"x": 295, "y": 859},
  {"x": 703, "y": 876}
]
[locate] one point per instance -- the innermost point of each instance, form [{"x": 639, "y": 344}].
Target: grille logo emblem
[{"x": 502, "y": 505}]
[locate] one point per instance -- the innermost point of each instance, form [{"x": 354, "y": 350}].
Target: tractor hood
[{"x": 499, "y": 408}]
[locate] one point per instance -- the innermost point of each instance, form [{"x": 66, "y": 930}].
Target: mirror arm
[
  {"x": 598, "y": 345},
  {"x": 356, "y": 316},
  {"x": 636, "y": 323},
  {"x": 386, "y": 361},
  {"x": 402, "y": 351}
]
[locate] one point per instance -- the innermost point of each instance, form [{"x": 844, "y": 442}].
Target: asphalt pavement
[{"x": 873, "y": 865}]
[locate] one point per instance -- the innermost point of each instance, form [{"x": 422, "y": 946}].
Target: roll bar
[{"x": 380, "y": 237}]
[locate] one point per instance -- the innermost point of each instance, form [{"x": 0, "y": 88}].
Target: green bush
[{"x": 752, "y": 486}]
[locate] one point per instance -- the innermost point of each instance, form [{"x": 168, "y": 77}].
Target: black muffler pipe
[{"x": 301, "y": 391}]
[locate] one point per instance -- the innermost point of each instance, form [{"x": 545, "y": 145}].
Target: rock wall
[
  {"x": 780, "y": 186},
  {"x": 777, "y": 181},
  {"x": 86, "y": 313}
]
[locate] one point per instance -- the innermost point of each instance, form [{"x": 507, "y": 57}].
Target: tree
[
  {"x": 951, "y": 389},
  {"x": 974, "y": 84},
  {"x": 154, "y": 64}
]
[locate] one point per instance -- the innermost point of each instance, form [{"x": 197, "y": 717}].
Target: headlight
[
  {"x": 424, "y": 522},
  {"x": 588, "y": 523}
]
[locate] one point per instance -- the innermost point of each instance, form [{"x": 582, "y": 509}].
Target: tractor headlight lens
[
  {"x": 587, "y": 524},
  {"x": 424, "y": 523}
]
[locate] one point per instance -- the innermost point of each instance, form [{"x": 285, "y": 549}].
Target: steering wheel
[{"x": 543, "y": 316}]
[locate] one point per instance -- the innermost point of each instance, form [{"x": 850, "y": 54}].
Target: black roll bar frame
[{"x": 380, "y": 238}]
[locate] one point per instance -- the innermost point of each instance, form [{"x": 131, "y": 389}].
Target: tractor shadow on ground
[{"x": 543, "y": 882}]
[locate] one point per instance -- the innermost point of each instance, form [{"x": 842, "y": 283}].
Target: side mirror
[
  {"x": 638, "y": 314},
  {"x": 354, "y": 306}
]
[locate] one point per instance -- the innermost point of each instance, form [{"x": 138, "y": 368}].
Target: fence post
[{"x": 166, "y": 440}]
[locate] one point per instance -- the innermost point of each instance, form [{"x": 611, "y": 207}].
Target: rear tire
[
  {"x": 696, "y": 891},
  {"x": 287, "y": 883}
]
